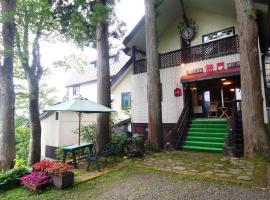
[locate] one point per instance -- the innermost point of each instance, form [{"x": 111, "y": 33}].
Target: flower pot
[{"x": 62, "y": 181}]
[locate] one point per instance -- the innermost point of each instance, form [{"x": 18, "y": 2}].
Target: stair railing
[
  {"x": 231, "y": 141},
  {"x": 178, "y": 132}
]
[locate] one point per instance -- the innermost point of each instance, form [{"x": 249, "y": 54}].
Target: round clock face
[{"x": 188, "y": 33}]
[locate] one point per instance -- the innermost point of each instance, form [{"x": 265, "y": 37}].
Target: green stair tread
[
  {"x": 210, "y": 149},
  {"x": 199, "y": 134},
  {"x": 205, "y": 144},
  {"x": 208, "y": 130},
  {"x": 221, "y": 126},
  {"x": 205, "y": 139},
  {"x": 209, "y": 121}
]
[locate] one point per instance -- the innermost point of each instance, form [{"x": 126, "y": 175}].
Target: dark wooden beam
[
  {"x": 268, "y": 27},
  {"x": 261, "y": 1}
]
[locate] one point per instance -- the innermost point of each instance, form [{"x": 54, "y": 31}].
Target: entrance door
[{"x": 209, "y": 98}]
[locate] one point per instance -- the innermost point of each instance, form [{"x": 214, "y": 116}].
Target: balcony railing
[{"x": 218, "y": 48}]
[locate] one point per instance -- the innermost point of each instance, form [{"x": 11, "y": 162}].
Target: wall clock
[{"x": 188, "y": 33}]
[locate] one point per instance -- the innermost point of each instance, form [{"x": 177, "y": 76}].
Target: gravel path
[{"x": 146, "y": 185}]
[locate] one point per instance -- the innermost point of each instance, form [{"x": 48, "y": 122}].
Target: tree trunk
[
  {"x": 7, "y": 96},
  {"x": 155, "y": 130},
  {"x": 254, "y": 130},
  {"x": 103, "y": 81},
  {"x": 35, "y": 135}
]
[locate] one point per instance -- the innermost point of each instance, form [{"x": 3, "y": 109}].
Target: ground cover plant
[{"x": 11, "y": 178}]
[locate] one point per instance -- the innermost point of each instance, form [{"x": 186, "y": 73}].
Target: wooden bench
[
  {"x": 73, "y": 148},
  {"x": 105, "y": 151}
]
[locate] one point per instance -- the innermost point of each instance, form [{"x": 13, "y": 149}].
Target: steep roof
[{"x": 89, "y": 74}]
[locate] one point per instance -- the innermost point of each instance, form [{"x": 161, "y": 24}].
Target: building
[
  {"x": 200, "y": 66},
  {"x": 59, "y": 128},
  {"x": 84, "y": 83}
]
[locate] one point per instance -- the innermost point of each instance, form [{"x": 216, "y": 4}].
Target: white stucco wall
[
  {"x": 87, "y": 90},
  {"x": 121, "y": 86},
  {"x": 170, "y": 78},
  {"x": 49, "y": 132},
  {"x": 60, "y": 132},
  {"x": 206, "y": 21}
]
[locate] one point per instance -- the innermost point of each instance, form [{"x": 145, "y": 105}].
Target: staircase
[{"x": 206, "y": 135}]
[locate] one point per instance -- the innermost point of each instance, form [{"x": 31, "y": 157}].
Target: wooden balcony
[{"x": 223, "y": 47}]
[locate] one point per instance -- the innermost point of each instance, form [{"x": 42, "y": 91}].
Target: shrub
[
  {"x": 88, "y": 133},
  {"x": 22, "y": 143},
  {"x": 11, "y": 178},
  {"x": 120, "y": 139}
]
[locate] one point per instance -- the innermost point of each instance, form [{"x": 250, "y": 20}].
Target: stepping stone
[
  {"x": 218, "y": 165},
  {"x": 194, "y": 171},
  {"x": 224, "y": 175},
  {"x": 208, "y": 173},
  {"x": 179, "y": 168},
  {"x": 235, "y": 171},
  {"x": 220, "y": 171},
  {"x": 245, "y": 178}
]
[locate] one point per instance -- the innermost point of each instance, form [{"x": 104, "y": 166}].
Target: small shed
[{"x": 58, "y": 130}]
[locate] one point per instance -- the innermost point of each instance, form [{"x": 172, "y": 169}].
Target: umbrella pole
[{"x": 79, "y": 139}]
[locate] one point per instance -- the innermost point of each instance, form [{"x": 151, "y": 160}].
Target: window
[
  {"x": 125, "y": 100},
  {"x": 76, "y": 90},
  {"x": 56, "y": 115}
]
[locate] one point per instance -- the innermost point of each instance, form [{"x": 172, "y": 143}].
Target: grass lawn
[{"x": 138, "y": 180}]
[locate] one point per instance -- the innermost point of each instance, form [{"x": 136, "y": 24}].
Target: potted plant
[
  {"x": 36, "y": 180},
  {"x": 61, "y": 173}
]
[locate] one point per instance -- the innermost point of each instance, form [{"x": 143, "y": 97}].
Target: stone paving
[{"x": 200, "y": 163}]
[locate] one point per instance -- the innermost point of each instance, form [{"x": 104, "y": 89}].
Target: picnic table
[{"x": 73, "y": 148}]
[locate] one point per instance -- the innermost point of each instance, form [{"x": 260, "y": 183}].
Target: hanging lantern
[{"x": 177, "y": 92}]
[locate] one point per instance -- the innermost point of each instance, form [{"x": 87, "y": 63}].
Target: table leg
[
  {"x": 64, "y": 156},
  {"x": 74, "y": 159}
]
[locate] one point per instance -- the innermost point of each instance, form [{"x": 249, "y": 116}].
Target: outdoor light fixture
[
  {"x": 223, "y": 79},
  {"x": 227, "y": 83},
  {"x": 232, "y": 90}
]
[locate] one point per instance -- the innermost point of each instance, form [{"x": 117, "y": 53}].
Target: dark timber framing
[{"x": 218, "y": 48}]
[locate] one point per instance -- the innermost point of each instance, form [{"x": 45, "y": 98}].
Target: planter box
[
  {"x": 34, "y": 187},
  {"x": 62, "y": 181}
]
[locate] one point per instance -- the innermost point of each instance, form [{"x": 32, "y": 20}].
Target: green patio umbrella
[{"x": 80, "y": 105}]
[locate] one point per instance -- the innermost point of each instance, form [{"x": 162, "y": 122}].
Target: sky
[{"x": 129, "y": 11}]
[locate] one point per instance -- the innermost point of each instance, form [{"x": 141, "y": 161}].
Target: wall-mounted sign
[
  {"x": 195, "y": 71},
  {"x": 220, "y": 66},
  {"x": 177, "y": 92},
  {"x": 224, "y": 33}
]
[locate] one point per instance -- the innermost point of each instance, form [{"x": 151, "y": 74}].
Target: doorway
[{"x": 213, "y": 97}]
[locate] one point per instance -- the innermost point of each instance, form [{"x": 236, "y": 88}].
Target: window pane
[{"x": 126, "y": 101}]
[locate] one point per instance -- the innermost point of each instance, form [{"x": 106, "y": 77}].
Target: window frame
[
  {"x": 74, "y": 89},
  {"x": 123, "y": 107}
]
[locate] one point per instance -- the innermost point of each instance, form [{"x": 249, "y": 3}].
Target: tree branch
[
  {"x": 36, "y": 65},
  {"x": 25, "y": 64}
]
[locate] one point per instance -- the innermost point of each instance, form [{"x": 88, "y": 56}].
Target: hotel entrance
[{"x": 213, "y": 98}]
